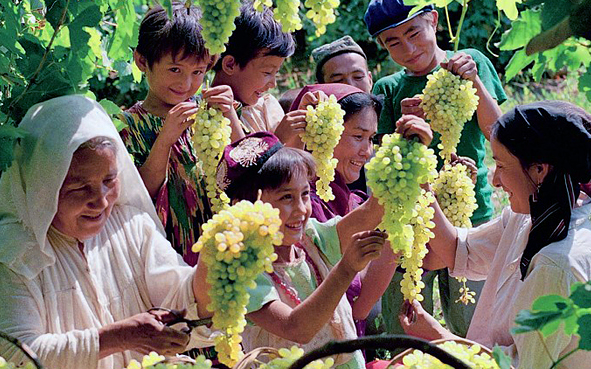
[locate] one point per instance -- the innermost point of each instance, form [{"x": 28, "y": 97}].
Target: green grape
[
  {"x": 321, "y": 12},
  {"x": 7, "y": 365},
  {"x": 211, "y": 133},
  {"x": 259, "y": 5},
  {"x": 324, "y": 126},
  {"x": 469, "y": 354},
  {"x": 455, "y": 194},
  {"x": 394, "y": 176},
  {"x": 236, "y": 245},
  {"x": 287, "y": 14},
  {"x": 289, "y": 356},
  {"x": 217, "y": 23},
  {"x": 155, "y": 361},
  {"x": 448, "y": 101}
]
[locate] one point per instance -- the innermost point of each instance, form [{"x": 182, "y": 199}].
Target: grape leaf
[
  {"x": 509, "y": 7},
  {"x": 502, "y": 359},
  {"x": 8, "y": 137},
  {"x": 585, "y": 83},
  {"x": 554, "y": 11},
  {"x": 585, "y": 332},
  {"x": 550, "y": 303},
  {"x": 110, "y": 107},
  {"x": 581, "y": 295},
  {"x": 55, "y": 9},
  {"x": 529, "y": 321},
  {"x": 519, "y": 61},
  {"x": 522, "y": 30},
  {"x": 89, "y": 17}
]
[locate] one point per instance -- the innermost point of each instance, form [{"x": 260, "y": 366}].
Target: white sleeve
[{"x": 23, "y": 316}]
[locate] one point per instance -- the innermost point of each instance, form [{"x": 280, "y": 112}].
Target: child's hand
[
  {"x": 291, "y": 127},
  {"x": 418, "y": 323},
  {"x": 463, "y": 65},
  {"x": 312, "y": 98},
  {"x": 176, "y": 122},
  {"x": 468, "y": 162},
  {"x": 220, "y": 96},
  {"x": 409, "y": 126},
  {"x": 411, "y": 106},
  {"x": 365, "y": 246}
]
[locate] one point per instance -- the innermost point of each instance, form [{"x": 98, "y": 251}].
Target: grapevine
[
  {"x": 155, "y": 361},
  {"x": 323, "y": 133},
  {"x": 211, "y": 133},
  {"x": 236, "y": 245},
  {"x": 456, "y": 196},
  {"x": 321, "y": 12},
  {"x": 448, "y": 101},
  {"x": 469, "y": 354},
  {"x": 218, "y": 23},
  {"x": 289, "y": 356}
]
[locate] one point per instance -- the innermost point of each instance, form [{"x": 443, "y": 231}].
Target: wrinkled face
[
  {"x": 413, "y": 44},
  {"x": 356, "y": 146},
  {"x": 512, "y": 178},
  {"x": 88, "y": 193},
  {"x": 293, "y": 201},
  {"x": 350, "y": 69},
  {"x": 255, "y": 78},
  {"x": 174, "y": 81}
]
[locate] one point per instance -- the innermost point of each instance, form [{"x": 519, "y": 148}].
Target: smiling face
[
  {"x": 255, "y": 78},
  {"x": 356, "y": 146},
  {"x": 88, "y": 193},
  {"x": 293, "y": 201},
  {"x": 350, "y": 69},
  {"x": 509, "y": 175},
  {"x": 171, "y": 81},
  {"x": 413, "y": 44}
]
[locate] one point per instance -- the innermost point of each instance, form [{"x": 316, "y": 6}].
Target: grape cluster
[
  {"x": 394, "y": 175},
  {"x": 286, "y": 13},
  {"x": 289, "y": 356},
  {"x": 236, "y": 245},
  {"x": 455, "y": 194},
  {"x": 470, "y": 354},
  {"x": 217, "y": 23},
  {"x": 421, "y": 222},
  {"x": 321, "y": 12},
  {"x": 155, "y": 361},
  {"x": 324, "y": 126},
  {"x": 448, "y": 101},
  {"x": 211, "y": 133}
]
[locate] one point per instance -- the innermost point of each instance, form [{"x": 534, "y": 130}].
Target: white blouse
[
  {"x": 493, "y": 252},
  {"x": 265, "y": 115},
  {"x": 126, "y": 269}
]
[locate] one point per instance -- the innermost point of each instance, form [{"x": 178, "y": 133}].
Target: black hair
[
  {"x": 279, "y": 169},
  {"x": 159, "y": 35},
  {"x": 257, "y": 34},
  {"x": 560, "y": 136},
  {"x": 358, "y": 101}
]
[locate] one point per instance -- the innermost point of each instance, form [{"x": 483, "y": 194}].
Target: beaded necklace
[{"x": 290, "y": 291}]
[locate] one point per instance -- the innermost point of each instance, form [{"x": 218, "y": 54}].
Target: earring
[{"x": 536, "y": 193}]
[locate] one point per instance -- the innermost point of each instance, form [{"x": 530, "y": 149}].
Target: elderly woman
[
  {"x": 82, "y": 253},
  {"x": 539, "y": 246}
]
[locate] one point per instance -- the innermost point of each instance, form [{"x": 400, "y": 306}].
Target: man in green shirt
[{"x": 411, "y": 43}]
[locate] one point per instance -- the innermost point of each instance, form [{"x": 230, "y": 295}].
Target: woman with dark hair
[{"x": 540, "y": 245}]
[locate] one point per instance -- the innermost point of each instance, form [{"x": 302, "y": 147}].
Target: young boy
[
  {"x": 411, "y": 42},
  {"x": 254, "y": 54},
  {"x": 342, "y": 61},
  {"x": 172, "y": 55}
]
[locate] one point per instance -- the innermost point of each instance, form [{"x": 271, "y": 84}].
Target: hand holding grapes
[
  {"x": 177, "y": 121},
  {"x": 463, "y": 65},
  {"x": 468, "y": 162},
  {"x": 364, "y": 247},
  {"x": 291, "y": 127},
  {"x": 418, "y": 323},
  {"x": 410, "y": 125},
  {"x": 412, "y": 106},
  {"x": 312, "y": 98}
]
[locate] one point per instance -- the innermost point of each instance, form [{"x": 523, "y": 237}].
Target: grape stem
[
  {"x": 456, "y": 38},
  {"x": 389, "y": 342},
  {"x": 24, "y": 348}
]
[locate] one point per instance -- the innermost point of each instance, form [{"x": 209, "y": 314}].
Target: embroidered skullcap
[
  {"x": 245, "y": 156},
  {"x": 324, "y": 53}
]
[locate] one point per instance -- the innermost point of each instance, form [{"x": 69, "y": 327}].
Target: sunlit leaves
[
  {"x": 522, "y": 30},
  {"x": 8, "y": 137},
  {"x": 509, "y": 7}
]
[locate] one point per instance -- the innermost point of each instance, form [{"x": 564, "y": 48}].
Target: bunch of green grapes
[
  {"x": 289, "y": 356},
  {"x": 421, "y": 222},
  {"x": 394, "y": 175},
  {"x": 155, "y": 361},
  {"x": 259, "y": 5},
  {"x": 455, "y": 194},
  {"x": 6, "y": 365},
  {"x": 324, "y": 126},
  {"x": 236, "y": 245},
  {"x": 211, "y": 133},
  {"x": 321, "y": 12},
  {"x": 448, "y": 101},
  {"x": 287, "y": 14},
  {"x": 470, "y": 354},
  {"x": 217, "y": 23}
]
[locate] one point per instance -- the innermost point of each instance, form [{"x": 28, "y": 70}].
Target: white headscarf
[{"x": 29, "y": 189}]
